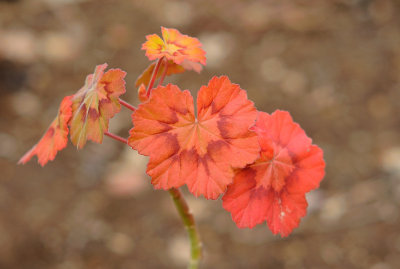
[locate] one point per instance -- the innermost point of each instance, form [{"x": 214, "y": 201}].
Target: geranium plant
[{"x": 261, "y": 164}]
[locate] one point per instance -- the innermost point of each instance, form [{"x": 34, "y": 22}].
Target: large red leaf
[
  {"x": 55, "y": 138},
  {"x": 199, "y": 151},
  {"x": 95, "y": 103},
  {"x": 273, "y": 188}
]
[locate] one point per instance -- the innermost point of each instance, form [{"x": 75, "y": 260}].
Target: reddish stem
[
  {"x": 164, "y": 73},
  {"x": 116, "y": 137},
  {"x": 127, "y": 105},
  {"x": 154, "y": 76}
]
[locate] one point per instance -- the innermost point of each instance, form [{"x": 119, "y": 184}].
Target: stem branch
[
  {"x": 164, "y": 73},
  {"x": 116, "y": 137},
  {"x": 154, "y": 76},
  {"x": 127, "y": 105},
  {"x": 190, "y": 225}
]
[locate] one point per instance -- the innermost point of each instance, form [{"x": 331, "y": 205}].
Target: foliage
[{"x": 263, "y": 164}]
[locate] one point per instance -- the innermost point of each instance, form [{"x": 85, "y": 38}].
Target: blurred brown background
[{"x": 335, "y": 65}]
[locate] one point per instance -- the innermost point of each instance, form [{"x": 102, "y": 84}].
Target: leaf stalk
[
  {"x": 154, "y": 76},
  {"x": 190, "y": 225},
  {"x": 164, "y": 73},
  {"x": 116, "y": 137},
  {"x": 127, "y": 105}
]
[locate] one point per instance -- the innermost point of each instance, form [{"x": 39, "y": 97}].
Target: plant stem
[
  {"x": 154, "y": 76},
  {"x": 164, "y": 73},
  {"x": 127, "y": 105},
  {"x": 184, "y": 213},
  {"x": 190, "y": 225},
  {"x": 116, "y": 137}
]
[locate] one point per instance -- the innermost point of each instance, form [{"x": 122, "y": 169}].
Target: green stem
[{"x": 190, "y": 225}]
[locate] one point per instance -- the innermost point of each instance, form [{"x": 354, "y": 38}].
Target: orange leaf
[
  {"x": 181, "y": 49},
  {"x": 55, "y": 138},
  {"x": 200, "y": 152},
  {"x": 145, "y": 77},
  {"x": 273, "y": 188},
  {"x": 95, "y": 103}
]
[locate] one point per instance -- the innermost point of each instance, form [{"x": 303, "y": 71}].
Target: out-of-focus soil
[{"x": 335, "y": 65}]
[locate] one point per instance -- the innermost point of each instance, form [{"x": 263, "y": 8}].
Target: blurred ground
[{"x": 335, "y": 65}]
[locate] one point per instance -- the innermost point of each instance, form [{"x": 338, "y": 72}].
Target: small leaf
[
  {"x": 273, "y": 188},
  {"x": 55, "y": 138},
  {"x": 95, "y": 103},
  {"x": 200, "y": 152},
  {"x": 181, "y": 49}
]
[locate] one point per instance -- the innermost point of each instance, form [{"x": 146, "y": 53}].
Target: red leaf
[
  {"x": 273, "y": 188},
  {"x": 200, "y": 152},
  {"x": 55, "y": 138},
  {"x": 95, "y": 103}
]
